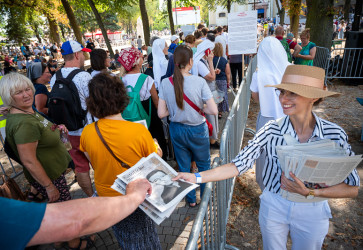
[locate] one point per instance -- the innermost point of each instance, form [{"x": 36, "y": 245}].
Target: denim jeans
[{"x": 191, "y": 143}]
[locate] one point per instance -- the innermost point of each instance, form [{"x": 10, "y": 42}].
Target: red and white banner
[{"x": 186, "y": 15}]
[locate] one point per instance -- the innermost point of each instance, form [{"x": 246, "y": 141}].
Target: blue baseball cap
[{"x": 71, "y": 47}]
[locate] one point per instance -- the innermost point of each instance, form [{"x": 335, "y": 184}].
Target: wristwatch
[{"x": 311, "y": 194}]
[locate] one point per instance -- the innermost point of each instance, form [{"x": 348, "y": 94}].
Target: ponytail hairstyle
[{"x": 182, "y": 56}]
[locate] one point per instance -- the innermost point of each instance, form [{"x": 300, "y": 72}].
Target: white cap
[{"x": 174, "y": 37}]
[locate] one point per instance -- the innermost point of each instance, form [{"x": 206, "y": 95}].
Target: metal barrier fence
[
  {"x": 209, "y": 228},
  {"x": 9, "y": 169},
  {"x": 322, "y": 57},
  {"x": 340, "y": 62},
  {"x": 345, "y": 63}
]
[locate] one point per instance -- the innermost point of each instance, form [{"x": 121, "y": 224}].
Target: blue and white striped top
[{"x": 271, "y": 135}]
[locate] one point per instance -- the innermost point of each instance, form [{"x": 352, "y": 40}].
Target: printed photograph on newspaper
[{"x": 166, "y": 193}]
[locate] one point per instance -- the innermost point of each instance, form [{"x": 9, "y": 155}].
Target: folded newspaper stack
[
  {"x": 321, "y": 164},
  {"x": 166, "y": 193}
]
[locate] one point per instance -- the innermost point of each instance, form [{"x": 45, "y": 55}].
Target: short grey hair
[{"x": 10, "y": 83}]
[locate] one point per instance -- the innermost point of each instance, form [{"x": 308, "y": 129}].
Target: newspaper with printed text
[
  {"x": 318, "y": 164},
  {"x": 166, "y": 193}
]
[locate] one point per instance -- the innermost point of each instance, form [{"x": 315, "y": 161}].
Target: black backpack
[{"x": 64, "y": 106}]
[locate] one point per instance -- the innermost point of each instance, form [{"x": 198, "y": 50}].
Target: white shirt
[
  {"x": 202, "y": 69},
  {"x": 225, "y": 35},
  {"x": 270, "y": 105},
  {"x": 220, "y": 39},
  {"x": 81, "y": 81},
  {"x": 131, "y": 79},
  {"x": 36, "y": 51},
  {"x": 271, "y": 135}
]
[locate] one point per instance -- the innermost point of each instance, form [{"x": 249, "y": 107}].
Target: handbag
[
  {"x": 218, "y": 95},
  {"x": 10, "y": 189},
  {"x": 108, "y": 148},
  {"x": 196, "y": 108}
]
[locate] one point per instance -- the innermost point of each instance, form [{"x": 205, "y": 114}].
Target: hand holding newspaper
[
  {"x": 166, "y": 194},
  {"x": 321, "y": 163}
]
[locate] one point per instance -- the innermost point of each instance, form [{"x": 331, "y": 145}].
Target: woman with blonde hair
[
  {"x": 36, "y": 142},
  {"x": 223, "y": 79},
  {"x": 307, "y": 53}
]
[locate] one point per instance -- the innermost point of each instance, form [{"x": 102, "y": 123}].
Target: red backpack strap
[{"x": 195, "y": 107}]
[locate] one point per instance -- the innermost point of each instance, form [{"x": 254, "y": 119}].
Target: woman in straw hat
[{"x": 301, "y": 88}]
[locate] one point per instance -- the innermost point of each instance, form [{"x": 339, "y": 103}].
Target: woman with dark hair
[
  {"x": 39, "y": 74},
  {"x": 100, "y": 61},
  {"x": 129, "y": 142},
  {"x": 305, "y": 221},
  {"x": 188, "y": 128}
]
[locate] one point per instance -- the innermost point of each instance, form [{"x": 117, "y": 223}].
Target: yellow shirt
[{"x": 128, "y": 141}]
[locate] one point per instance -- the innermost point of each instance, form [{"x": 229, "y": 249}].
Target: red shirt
[{"x": 292, "y": 44}]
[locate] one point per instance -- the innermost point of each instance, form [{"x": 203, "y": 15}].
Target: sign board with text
[
  {"x": 186, "y": 15},
  {"x": 242, "y": 32}
]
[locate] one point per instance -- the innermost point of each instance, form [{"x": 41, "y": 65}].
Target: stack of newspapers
[
  {"x": 166, "y": 193},
  {"x": 318, "y": 164}
]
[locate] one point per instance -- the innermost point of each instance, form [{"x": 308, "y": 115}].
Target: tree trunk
[
  {"x": 62, "y": 32},
  {"x": 294, "y": 17},
  {"x": 53, "y": 29},
  {"x": 171, "y": 21},
  {"x": 102, "y": 27},
  {"x": 72, "y": 21},
  {"x": 145, "y": 22},
  {"x": 229, "y": 6},
  {"x": 357, "y": 15},
  {"x": 36, "y": 32},
  {"x": 321, "y": 25},
  {"x": 281, "y": 12},
  {"x": 346, "y": 10}
]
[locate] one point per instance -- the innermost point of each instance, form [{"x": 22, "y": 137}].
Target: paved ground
[{"x": 173, "y": 232}]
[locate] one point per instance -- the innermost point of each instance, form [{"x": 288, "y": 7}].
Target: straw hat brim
[{"x": 304, "y": 90}]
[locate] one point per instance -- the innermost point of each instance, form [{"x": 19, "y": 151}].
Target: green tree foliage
[
  {"x": 16, "y": 29},
  {"x": 212, "y": 4},
  {"x": 88, "y": 22}
]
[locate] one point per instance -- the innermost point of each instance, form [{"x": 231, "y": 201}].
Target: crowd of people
[{"x": 185, "y": 85}]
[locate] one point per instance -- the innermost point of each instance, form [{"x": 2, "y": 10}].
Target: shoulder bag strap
[
  {"x": 195, "y": 107},
  {"x": 140, "y": 82},
  {"x": 107, "y": 147},
  {"x": 73, "y": 74},
  {"x": 217, "y": 63}
]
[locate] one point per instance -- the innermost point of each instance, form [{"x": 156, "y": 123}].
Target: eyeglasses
[{"x": 287, "y": 94}]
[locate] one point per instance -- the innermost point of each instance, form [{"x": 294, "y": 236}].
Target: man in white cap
[
  {"x": 174, "y": 43},
  {"x": 73, "y": 56}
]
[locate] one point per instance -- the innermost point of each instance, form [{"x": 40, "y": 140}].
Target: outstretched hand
[
  {"x": 139, "y": 188},
  {"x": 295, "y": 186},
  {"x": 186, "y": 176}
]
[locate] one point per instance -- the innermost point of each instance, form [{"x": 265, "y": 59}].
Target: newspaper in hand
[
  {"x": 318, "y": 164},
  {"x": 166, "y": 193}
]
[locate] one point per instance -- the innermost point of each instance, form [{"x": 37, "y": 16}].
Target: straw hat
[{"x": 307, "y": 81}]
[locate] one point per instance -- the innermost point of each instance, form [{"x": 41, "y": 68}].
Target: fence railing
[
  {"x": 209, "y": 228},
  {"x": 344, "y": 63},
  {"x": 9, "y": 168}
]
